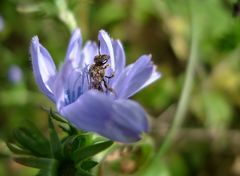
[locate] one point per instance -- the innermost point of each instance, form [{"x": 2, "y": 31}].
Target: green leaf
[
  {"x": 88, "y": 165},
  {"x": 91, "y": 150},
  {"x": 40, "y": 163},
  {"x": 17, "y": 149},
  {"x": 55, "y": 142},
  {"x": 81, "y": 172},
  {"x": 33, "y": 140}
]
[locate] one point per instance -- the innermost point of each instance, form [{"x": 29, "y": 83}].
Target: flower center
[{"x": 76, "y": 85}]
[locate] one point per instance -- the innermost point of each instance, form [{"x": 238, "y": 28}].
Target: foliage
[{"x": 71, "y": 155}]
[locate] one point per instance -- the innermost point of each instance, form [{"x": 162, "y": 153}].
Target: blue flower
[
  {"x": 109, "y": 113},
  {"x": 15, "y": 74}
]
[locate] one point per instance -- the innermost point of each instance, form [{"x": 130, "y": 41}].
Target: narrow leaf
[
  {"x": 57, "y": 117},
  {"x": 88, "y": 165},
  {"x": 65, "y": 129},
  {"x": 91, "y": 150},
  {"x": 55, "y": 142},
  {"x": 32, "y": 141},
  {"x": 17, "y": 149},
  {"x": 40, "y": 163}
]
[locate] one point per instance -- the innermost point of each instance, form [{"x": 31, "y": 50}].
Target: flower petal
[
  {"x": 120, "y": 59},
  {"x": 135, "y": 77},
  {"x": 74, "y": 48},
  {"x": 44, "y": 68},
  {"x": 70, "y": 84},
  {"x": 121, "y": 120},
  {"x": 154, "y": 76},
  {"x": 130, "y": 112},
  {"x": 59, "y": 87},
  {"x": 88, "y": 53},
  {"x": 106, "y": 47},
  {"x": 119, "y": 55}
]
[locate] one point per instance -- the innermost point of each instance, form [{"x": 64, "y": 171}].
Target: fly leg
[
  {"x": 106, "y": 66},
  {"x": 108, "y": 87},
  {"x": 111, "y": 76},
  {"x": 98, "y": 87}
]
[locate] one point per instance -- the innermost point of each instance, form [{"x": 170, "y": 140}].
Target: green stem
[
  {"x": 153, "y": 166},
  {"x": 66, "y": 15},
  {"x": 187, "y": 87}
]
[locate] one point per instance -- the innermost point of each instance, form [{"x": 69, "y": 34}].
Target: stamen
[{"x": 76, "y": 84}]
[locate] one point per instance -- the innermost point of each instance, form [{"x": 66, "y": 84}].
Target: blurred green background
[{"x": 208, "y": 142}]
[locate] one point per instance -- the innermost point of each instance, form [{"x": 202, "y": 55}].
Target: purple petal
[
  {"x": 89, "y": 52},
  {"x": 135, "y": 77},
  {"x": 121, "y": 120},
  {"x": 130, "y": 112},
  {"x": 76, "y": 36},
  {"x": 119, "y": 82},
  {"x": 106, "y": 47},
  {"x": 154, "y": 76},
  {"x": 59, "y": 87},
  {"x": 44, "y": 68},
  {"x": 15, "y": 74},
  {"x": 74, "y": 48},
  {"x": 69, "y": 85},
  {"x": 119, "y": 56}
]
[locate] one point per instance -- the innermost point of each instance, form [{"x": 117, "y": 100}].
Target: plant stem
[
  {"x": 66, "y": 15},
  {"x": 187, "y": 87}
]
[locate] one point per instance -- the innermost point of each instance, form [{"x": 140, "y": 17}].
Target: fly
[{"x": 97, "y": 73}]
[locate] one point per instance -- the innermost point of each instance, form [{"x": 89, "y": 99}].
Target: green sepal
[
  {"x": 33, "y": 140},
  {"x": 57, "y": 117},
  {"x": 36, "y": 162},
  {"x": 17, "y": 149},
  {"x": 55, "y": 142},
  {"x": 71, "y": 131},
  {"x": 67, "y": 146},
  {"x": 73, "y": 143},
  {"x": 88, "y": 165},
  {"x": 89, "y": 151},
  {"x": 65, "y": 128}
]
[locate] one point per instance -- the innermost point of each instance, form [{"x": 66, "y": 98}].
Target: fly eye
[
  {"x": 105, "y": 58},
  {"x": 105, "y": 61}
]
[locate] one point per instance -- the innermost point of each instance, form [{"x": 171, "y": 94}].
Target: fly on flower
[
  {"x": 89, "y": 105},
  {"x": 97, "y": 73}
]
